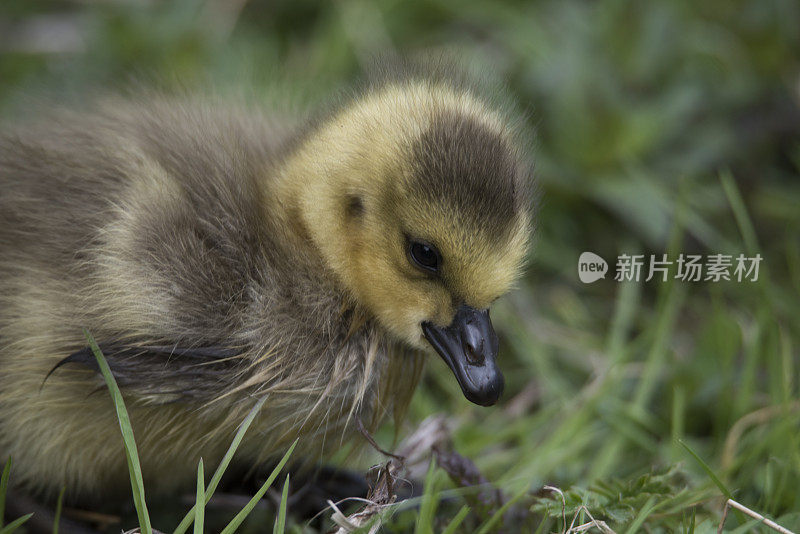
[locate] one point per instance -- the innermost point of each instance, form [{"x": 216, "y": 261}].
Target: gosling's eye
[{"x": 424, "y": 255}]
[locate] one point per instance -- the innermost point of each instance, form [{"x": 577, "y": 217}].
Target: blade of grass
[
  {"x": 542, "y": 524},
  {"x": 280, "y": 522},
  {"x": 236, "y": 521},
  {"x": 131, "y": 453},
  {"x": 747, "y": 527},
  {"x": 625, "y": 310},
  {"x": 59, "y": 505},
  {"x": 678, "y": 415},
  {"x": 708, "y": 470},
  {"x": 14, "y": 525},
  {"x": 498, "y": 515},
  {"x": 644, "y": 512},
  {"x": 223, "y": 465},
  {"x": 456, "y": 521},
  {"x": 430, "y": 500},
  {"x": 739, "y": 212},
  {"x": 714, "y": 478},
  {"x": 4, "y": 489},
  {"x": 669, "y": 309},
  {"x": 200, "y": 502}
]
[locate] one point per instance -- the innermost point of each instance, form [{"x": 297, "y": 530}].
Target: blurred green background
[{"x": 669, "y": 127}]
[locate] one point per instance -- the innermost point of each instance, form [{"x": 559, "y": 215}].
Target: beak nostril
[{"x": 473, "y": 345}]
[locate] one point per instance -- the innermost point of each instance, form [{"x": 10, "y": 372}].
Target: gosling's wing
[{"x": 163, "y": 373}]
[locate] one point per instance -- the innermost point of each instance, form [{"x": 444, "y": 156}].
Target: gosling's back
[{"x": 151, "y": 225}]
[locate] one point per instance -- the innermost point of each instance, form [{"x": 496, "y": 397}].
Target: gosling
[{"x": 221, "y": 256}]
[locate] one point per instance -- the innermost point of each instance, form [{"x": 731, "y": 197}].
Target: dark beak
[{"x": 469, "y": 347}]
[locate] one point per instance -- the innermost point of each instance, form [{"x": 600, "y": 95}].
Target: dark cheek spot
[{"x": 354, "y": 206}]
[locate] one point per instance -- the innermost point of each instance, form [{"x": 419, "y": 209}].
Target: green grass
[
  {"x": 430, "y": 501},
  {"x": 197, "y": 513},
  {"x": 59, "y": 507},
  {"x": 241, "y": 516},
  {"x": 14, "y": 525},
  {"x": 280, "y": 521},
  {"x": 200, "y": 502},
  {"x": 661, "y": 128},
  {"x": 4, "y": 489},
  {"x": 131, "y": 454},
  {"x": 223, "y": 465}
]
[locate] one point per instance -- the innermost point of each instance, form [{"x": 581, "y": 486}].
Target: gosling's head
[{"x": 417, "y": 196}]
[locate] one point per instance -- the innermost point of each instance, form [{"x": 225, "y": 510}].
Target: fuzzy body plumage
[
  {"x": 180, "y": 224},
  {"x": 83, "y": 212}
]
